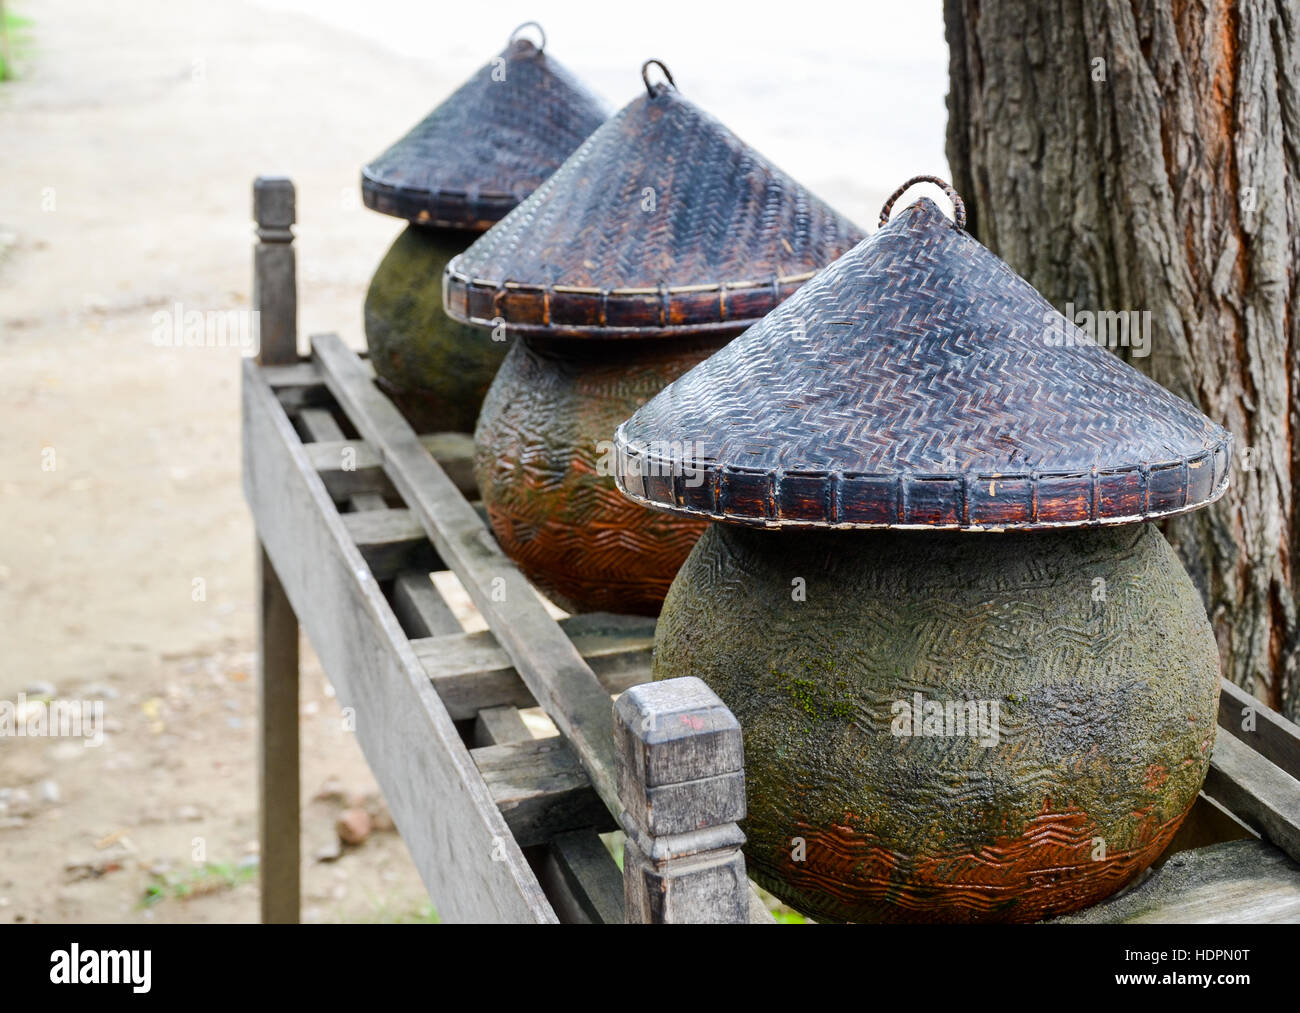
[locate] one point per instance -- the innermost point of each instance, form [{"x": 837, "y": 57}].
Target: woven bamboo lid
[
  {"x": 662, "y": 223},
  {"x": 920, "y": 382},
  {"x": 489, "y": 145}
]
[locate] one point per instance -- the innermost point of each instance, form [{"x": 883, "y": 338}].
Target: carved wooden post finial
[
  {"x": 275, "y": 276},
  {"x": 681, "y": 779}
]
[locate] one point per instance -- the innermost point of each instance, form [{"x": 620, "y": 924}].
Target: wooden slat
[
  {"x": 1273, "y": 736},
  {"x": 562, "y": 683},
  {"x": 421, "y": 609},
  {"x": 439, "y": 801},
  {"x": 541, "y": 789},
  {"x": 1260, "y": 794},
  {"x": 364, "y": 472},
  {"x": 1240, "y": 882},
  {"x": 390, "y": 541},
  {"x": 320, "y": 424},
  {"x": 581, "y": 878},
  {"x": 472, "y": 671},
  {"x": 577, "y": 873}
]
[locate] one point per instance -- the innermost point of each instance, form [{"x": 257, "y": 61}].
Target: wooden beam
[
  {"x": 1260, "y": 794},
  {"x": 472, "y": 671},
  {"x": 541, "y": 789},
  {"x": 439, "y": 801},
  {"x": 1263, "y": 730},
  {"x": 561, "y": 682},
  {"x": 278, "y": 775},
  {"x": 390, "y": 541}
]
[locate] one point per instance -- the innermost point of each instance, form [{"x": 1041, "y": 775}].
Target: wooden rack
[{"x": 354, "y": 511}]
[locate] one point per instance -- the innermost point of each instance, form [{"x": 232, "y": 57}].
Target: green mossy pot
[
  {"x": 1093, "y": 645},
  {"x": 436, "y": 370}
]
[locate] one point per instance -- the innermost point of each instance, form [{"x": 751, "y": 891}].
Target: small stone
[
  {"x": 250, "y": 862},
  {"x": 189, "y": 813},
  {"x": 353, "y": 826},
  {"x": 49, "y": 791},
  {"x": 330, "y": 851},
  {"x": 100, "y": 691},
  {"x": 40, "y": 688}
]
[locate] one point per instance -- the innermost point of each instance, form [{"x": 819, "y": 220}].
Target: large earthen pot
[
  {"x": 453, "y": 176},
  {"x": 435, "y": 369},
  {"x": 661, "y": 238},
  {"x": 544, "y": 467},
  {"x": 1092, "y": 645},
  {"x": 974, "y": 682}
]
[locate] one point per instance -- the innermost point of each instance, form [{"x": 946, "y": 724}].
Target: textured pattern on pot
[
  {"x": 660, "y": 198},
  {"x": 466, "y": 165},
  {"x": 1003, "y": 721}
]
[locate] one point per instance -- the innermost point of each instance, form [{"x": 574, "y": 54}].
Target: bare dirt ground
[{"x": 127, "y": 150}]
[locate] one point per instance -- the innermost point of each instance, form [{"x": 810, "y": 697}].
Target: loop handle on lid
[
  {"x": 530, "y": 24},
  {"x": 958, "y": 205},
  {"x": 650, "y": 88}
]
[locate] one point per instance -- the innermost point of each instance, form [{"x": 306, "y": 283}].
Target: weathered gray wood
[
  {"x": 364, "y": 473},
  {"x": 681, "y": 776},
  {"x": 1239, "y": 882},
  {"x": 546, "y": 660},
  {"x": 582, "y": 880},
  {"x": 320, "y": 425},
  {"x": 1259, "y": 793},
  {"x": 421, "y": 609},
  {"x": 577, "y": 872},
  {"x": 471, "y": 670},
  {"x": 438, "y": 799},
  {"x": 279, "y": 833},
  {"x": 1262, "y": 729},
  {"x": 496, "y": 726},
  {"x": 1207, "y": 823},
  {"x": 541, "y": 789},
  {"x": 275, "y": 283},
  {"x": 390, "y": 541}
]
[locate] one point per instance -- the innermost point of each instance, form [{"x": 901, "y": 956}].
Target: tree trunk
[{"x": 1143, "y": 155}]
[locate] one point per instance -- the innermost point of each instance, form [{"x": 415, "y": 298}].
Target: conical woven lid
[
  {"x": 487, "y": 147},
  {"x": 920, "y": 382},
  {"x": 663, "y": 222}
]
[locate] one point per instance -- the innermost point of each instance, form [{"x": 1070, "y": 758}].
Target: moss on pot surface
[
  {"x": 437, "y": 370},
  {"x": 1092, "y": 645}
]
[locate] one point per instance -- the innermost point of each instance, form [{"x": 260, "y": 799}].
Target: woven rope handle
[
  {"x": 645, "y": 76},
  {"x": 958, "y": 205},
  {"x": 530, "y": 24}
]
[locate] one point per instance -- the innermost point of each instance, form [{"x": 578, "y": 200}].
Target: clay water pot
[
  {"x": 661, "y": 238},
  {"x": 435, "y": 369},
  {"x": 453, "y": 176},
  {"x": 1093, "y": 713},
  {"x": 543, "y": 464},
  {"x": 974, "y": 683}
]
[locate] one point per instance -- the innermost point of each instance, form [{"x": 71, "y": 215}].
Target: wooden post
[
  {"x": 276, "y": 300},
  {"x": 275, "y": 276},
  {"x": 681, "y": 779}
]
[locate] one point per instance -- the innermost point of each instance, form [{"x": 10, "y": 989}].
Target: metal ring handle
[
  {"x": 645, "y": 67},
  {"x": 529, "y": 24},
  {"x": 958, "y": 205}
]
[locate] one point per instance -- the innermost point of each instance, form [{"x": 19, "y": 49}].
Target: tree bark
[{"x": 1143, "y": 155}]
